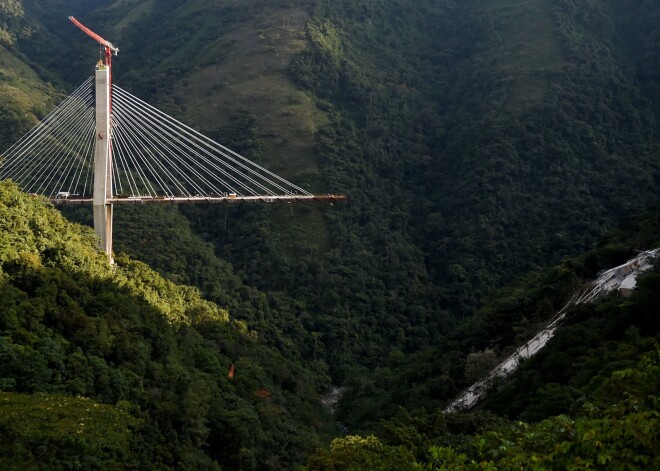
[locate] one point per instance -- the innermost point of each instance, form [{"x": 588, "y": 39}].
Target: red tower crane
[{"x": 107, "y": 45}]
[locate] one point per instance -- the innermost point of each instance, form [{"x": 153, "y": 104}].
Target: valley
[{"x": 496, "y": 156}]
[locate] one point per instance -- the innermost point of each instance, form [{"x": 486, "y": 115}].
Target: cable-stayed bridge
[
  {"x": 154, "y": 157},
  {"x": 104, "y": 146}
]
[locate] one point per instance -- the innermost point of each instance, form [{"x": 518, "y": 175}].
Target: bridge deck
[{"x": 204, "y": 199}]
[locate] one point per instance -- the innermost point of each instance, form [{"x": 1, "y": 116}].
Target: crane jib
[{"x": 105, "y": 43}]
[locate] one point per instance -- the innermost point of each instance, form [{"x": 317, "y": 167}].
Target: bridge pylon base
[{"x": 103, "y": 227}]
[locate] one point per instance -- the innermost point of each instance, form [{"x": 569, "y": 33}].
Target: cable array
[
  {"x": 157, "y": 155},
  {"x": 56, "y": 155},
  {"x": 154, "y": 155}
]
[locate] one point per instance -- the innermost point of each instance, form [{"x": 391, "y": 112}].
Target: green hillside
[
  {"x": 151, "y": 357},
  {"x": 588, "y": 400},
  {"x": 114, "y": 366},
  {"x": 594, "y": 339},
  {"x": 24, "y": 97},
  {"x": 614, "y": 426},
  {"x": 208, "y": 60}
]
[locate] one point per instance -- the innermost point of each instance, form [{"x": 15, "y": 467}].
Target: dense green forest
[
  {"x": 612, "y": 427},
  {"x": 485, "y": 148},
  {"x": 114, "y": 366},
  {"x": 73, "y": 326},
  {"x": 591, "y": 342}
]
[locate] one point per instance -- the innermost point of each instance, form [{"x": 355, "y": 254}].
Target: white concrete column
[{"x": 103, "y": 162}]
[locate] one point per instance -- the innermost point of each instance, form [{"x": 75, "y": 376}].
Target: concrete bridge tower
[
  {"x": 103, "y": 147},
  {"x": 103, "y": 159}
]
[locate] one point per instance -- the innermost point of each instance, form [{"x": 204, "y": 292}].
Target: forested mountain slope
[
  {"x": 476, "y": 141},
  {"x": 24, "y": 97},
  {"x": 588, "y": 400},
  {"x": 592, "y": 341},
  {"x": 152, "y": 358},
  {"x": 614, "y": 425}
]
